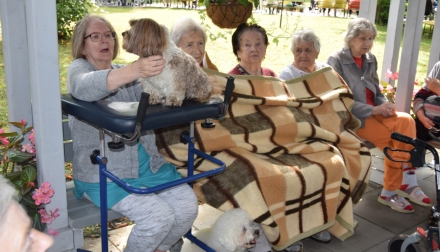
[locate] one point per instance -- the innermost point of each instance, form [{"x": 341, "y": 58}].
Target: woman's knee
[
  {"x": 187, "y": 203},
  {"x": 162, "y": 218},
  {"x": 405, "y": 118}
]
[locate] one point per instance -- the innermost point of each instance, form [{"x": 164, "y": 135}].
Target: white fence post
[
  {"x": 368, "y": 10},
  {"x": 434, "y": 57},
  {"x": 410, "y": 54},
  {"x": 393, "y": 38},
  {"x": 15, "y": 56}
]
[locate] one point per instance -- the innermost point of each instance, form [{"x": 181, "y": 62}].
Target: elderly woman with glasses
[
  {"x": 358, "y": 67},
  {"x": 161, "y": 218}
]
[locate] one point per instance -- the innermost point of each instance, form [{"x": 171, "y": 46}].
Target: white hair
[
  {"x": 7, "y": 195},
  {"x": 185, "y": 25},
  {"x": 356, "y": 27},
  {"x": 305, "y": 35}
]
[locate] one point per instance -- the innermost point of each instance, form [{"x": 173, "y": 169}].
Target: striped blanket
[{"x": 293, "y": 161}]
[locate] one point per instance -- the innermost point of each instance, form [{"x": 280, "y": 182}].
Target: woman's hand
[
  {"x": 150, "y": 66},
  {"x": 142, "y": 68},
  {"x": 386, "y": 109},
  {"x": 428, "y": 123}
]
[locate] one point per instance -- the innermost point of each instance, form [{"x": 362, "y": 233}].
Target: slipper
[
  {"x": 323, "y": 236},
  {"x": 296, "y": 247},
  {"x": 396, "y": 203},
  {"x": 415, "y": 195}
]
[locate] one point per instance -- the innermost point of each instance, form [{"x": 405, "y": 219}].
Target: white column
[
  {"x": 15, "y": 54},
  {"x": 394, "y": 35},
  {"x": 434, "y": 57},
  {"x": 368, "y": 10},
  {"x": 410, "y": 54},
  {"x": 41, "y": 23}
]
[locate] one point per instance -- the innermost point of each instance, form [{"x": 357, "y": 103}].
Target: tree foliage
[
  {"x": 382, "y": 11},
  {"x": 68, "y": 13}
]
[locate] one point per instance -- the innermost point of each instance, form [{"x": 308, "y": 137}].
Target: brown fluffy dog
[{"x": 182, "y": 76}]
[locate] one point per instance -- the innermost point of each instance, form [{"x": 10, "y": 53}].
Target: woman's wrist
[{"x": 420, "y": 113}]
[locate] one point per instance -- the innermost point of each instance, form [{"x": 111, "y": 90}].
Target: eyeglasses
[{"x": 96, "y": 37}]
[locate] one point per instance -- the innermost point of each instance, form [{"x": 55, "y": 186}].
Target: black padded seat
[{"x": 158, "y": 116}]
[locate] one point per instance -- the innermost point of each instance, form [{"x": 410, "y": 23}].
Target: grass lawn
[{"x": 329, "y": 29}]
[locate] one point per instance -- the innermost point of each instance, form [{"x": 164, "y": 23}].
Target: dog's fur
[
  {"x": 182, "y": 76},
  {"x": 234, "y": 231}
]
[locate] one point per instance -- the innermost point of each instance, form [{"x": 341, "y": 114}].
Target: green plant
[
  {"x": 18, "y": 164},
  {"x": 382, "y": 10},
  {"x": 390, "y": 92},
  {"x": 68, "y": 13}
]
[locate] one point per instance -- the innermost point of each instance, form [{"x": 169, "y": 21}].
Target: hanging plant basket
[{"x": 229, "y": 14}]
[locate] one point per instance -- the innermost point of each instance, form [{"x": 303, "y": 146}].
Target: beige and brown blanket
[{"x": 293, "y": 161}]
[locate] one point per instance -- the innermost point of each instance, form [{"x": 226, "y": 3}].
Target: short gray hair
[
  {"x": 305, "y": 35},
  {"x": 7, "y": 195},
  {"x": 356, "y": 27},
  {"x": 185, "y": 25}
]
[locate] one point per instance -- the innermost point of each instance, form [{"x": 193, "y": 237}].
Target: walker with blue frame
[{"x": 122, "y": 124}]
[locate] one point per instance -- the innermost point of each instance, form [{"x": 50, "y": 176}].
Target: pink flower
[
  {"x": 52, "y": 232},
  {"x": 43, "y": 194},
  {"x": 46, "y": 189},
  {"x": 28, "y": 148},
  {"x": 45, "y": 218},
  {"x": 23, "y": 122},
  {"x": 32, "y": 137},
  {"x": 40, "y": 198},
  {"x": 31, "y": 183},
  {"x": 3, "y": 139},
  {"x": 390, "y": 89},
  {"x": 48, "y": 218},
  {"x": 381, "y": 88},
  {"x": 391, "y": 75}
]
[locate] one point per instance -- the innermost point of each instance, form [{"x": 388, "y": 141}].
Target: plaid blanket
[{"x": 293, "y": 160}]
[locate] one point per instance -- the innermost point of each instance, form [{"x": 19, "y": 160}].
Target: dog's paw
[
  {"x": 173, "y": 101},
  {"x": 154, "y": 100}
]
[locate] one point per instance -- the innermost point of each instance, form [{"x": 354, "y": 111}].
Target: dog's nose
[{"x": 257, "y": 232}]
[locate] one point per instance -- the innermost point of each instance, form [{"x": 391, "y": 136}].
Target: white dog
[{"x": 234, "y": 231}]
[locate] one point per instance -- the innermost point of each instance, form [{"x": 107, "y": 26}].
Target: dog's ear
[
  {"x": 125, "y": 39},
  {"x": 155, "y": 39},
  {"x": 132, "y": 22},
  {"x": 146, "y": 38}
]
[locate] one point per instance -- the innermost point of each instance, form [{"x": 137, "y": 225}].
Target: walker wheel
[{"x": 396, "y": 243}]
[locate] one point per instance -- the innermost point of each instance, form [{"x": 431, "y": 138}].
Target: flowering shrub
[
  {"x": 389, "y": 91},
  {"x": 18, "y": 164}
]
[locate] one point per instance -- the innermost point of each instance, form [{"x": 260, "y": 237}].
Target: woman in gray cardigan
[
  {"x": 358, "y": 67},
  {"x": 161, "y": 218}
]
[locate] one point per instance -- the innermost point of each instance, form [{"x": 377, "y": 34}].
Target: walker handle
[
  {"x": 228, "y": 90},
  {"x": 142, "y": 108},
  {"x": 386, "y": 149},
  {"x": 402, "y": 138}
]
